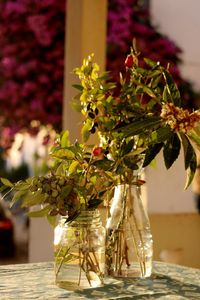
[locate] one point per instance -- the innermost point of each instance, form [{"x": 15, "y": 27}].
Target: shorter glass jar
[{"x": 79, "y": 251}]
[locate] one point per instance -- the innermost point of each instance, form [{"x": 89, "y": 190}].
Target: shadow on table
[{"x": 156, "y": 287}]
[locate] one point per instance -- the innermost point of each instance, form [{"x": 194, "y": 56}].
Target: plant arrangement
[
  {"x": 135, "y": 120},
  {"x": 142, "y": 115},
  {"x": 74, "y": 182},
  {"x": 68, "y": 196}
]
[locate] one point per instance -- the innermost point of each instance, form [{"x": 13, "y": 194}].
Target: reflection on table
[{"x": 36, "y": 281}]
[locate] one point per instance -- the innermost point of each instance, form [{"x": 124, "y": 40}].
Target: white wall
[
  {"x": 165, "y": 188},
  {"x": 179, "y": 20}
]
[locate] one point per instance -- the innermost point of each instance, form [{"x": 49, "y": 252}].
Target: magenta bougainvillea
[
  {"x": 32, "y": 57},
  {"x": 31, "y": 64}
]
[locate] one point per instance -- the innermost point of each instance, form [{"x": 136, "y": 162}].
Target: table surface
[{"x": 36, "y": 281}]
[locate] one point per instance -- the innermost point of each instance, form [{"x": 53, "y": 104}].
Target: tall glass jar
[
  {"x": 79, "y": 251},
  {"x": 129, "y": 240}
]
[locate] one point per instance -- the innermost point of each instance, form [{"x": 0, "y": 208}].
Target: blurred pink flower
[{"x": 17, "y": 7}]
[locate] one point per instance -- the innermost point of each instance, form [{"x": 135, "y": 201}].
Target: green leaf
[
  {"x": 104, "y": 164},
  {"x": 3, "y": 188},
  {"x": 187, "y": 150},
  {"x": 172, "y": 88},
  {"x": 78, "y": 87},
  {"x": 63, "y": 154},
  {"x": 139, "y": 125},
  {"x": 166, "y": 95},
  {"x": 76, "y": 105},
  {"x": 94, "y": 203},
  {"x": 64, "y": 142},
  {"x": 65, "y": 191},
  {"x": 85, "y": 131},
  {"x": 148, "y": 91},
  {"x": 34, "y": 198},
  {"x": 161, "y": 134},
  {"x": 191, "y": 170},
  {"x": 127, "y": 147},
  {"x": 52, "y": 220},
  {"x": 195, "y": 139},
  {"x": 40, "y": 213},
  {"x": 151, "y": 63},
  {"x": 60, "y": 169},
  {"x": 151, "y": 153},
  {"x": 18, "y": 196},
  {"x": 73, "y": 216},
  {"x": 23, "y": 185},
  {"x": 130, "y": 162},
  {"x": 6, "y": 182},
  {"x": 171, "y": 150},
  {"x": 93, "y": 179},
  {"x": 73, "y": 167}
]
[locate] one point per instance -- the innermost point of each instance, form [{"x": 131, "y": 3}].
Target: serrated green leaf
[
  {"x": 171, "y": 150},
  {"x": 151, "y": 153},
  {"x": 7, "y": 182}
]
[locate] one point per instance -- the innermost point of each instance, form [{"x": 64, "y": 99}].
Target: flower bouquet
[{"x": 135, "y": 120}]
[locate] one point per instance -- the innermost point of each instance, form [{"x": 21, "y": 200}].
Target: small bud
[
  {"x": 97, "y": 151},
  {"x": 129, "y": 61},
  {"x": 61, "y": 181},
  {"x": 54, "y": 193}
]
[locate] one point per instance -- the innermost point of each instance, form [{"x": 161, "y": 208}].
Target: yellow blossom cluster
[{"x": 179, "y": 119}]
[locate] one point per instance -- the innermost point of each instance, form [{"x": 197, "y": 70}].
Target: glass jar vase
[
  {"x": 129, "y": 240},
  {"x": 79, "y": 251}
]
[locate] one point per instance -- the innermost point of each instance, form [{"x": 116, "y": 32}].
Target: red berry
[
  {"x": 129, "y": 61},
  {"x": 97, "y": 151}
]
